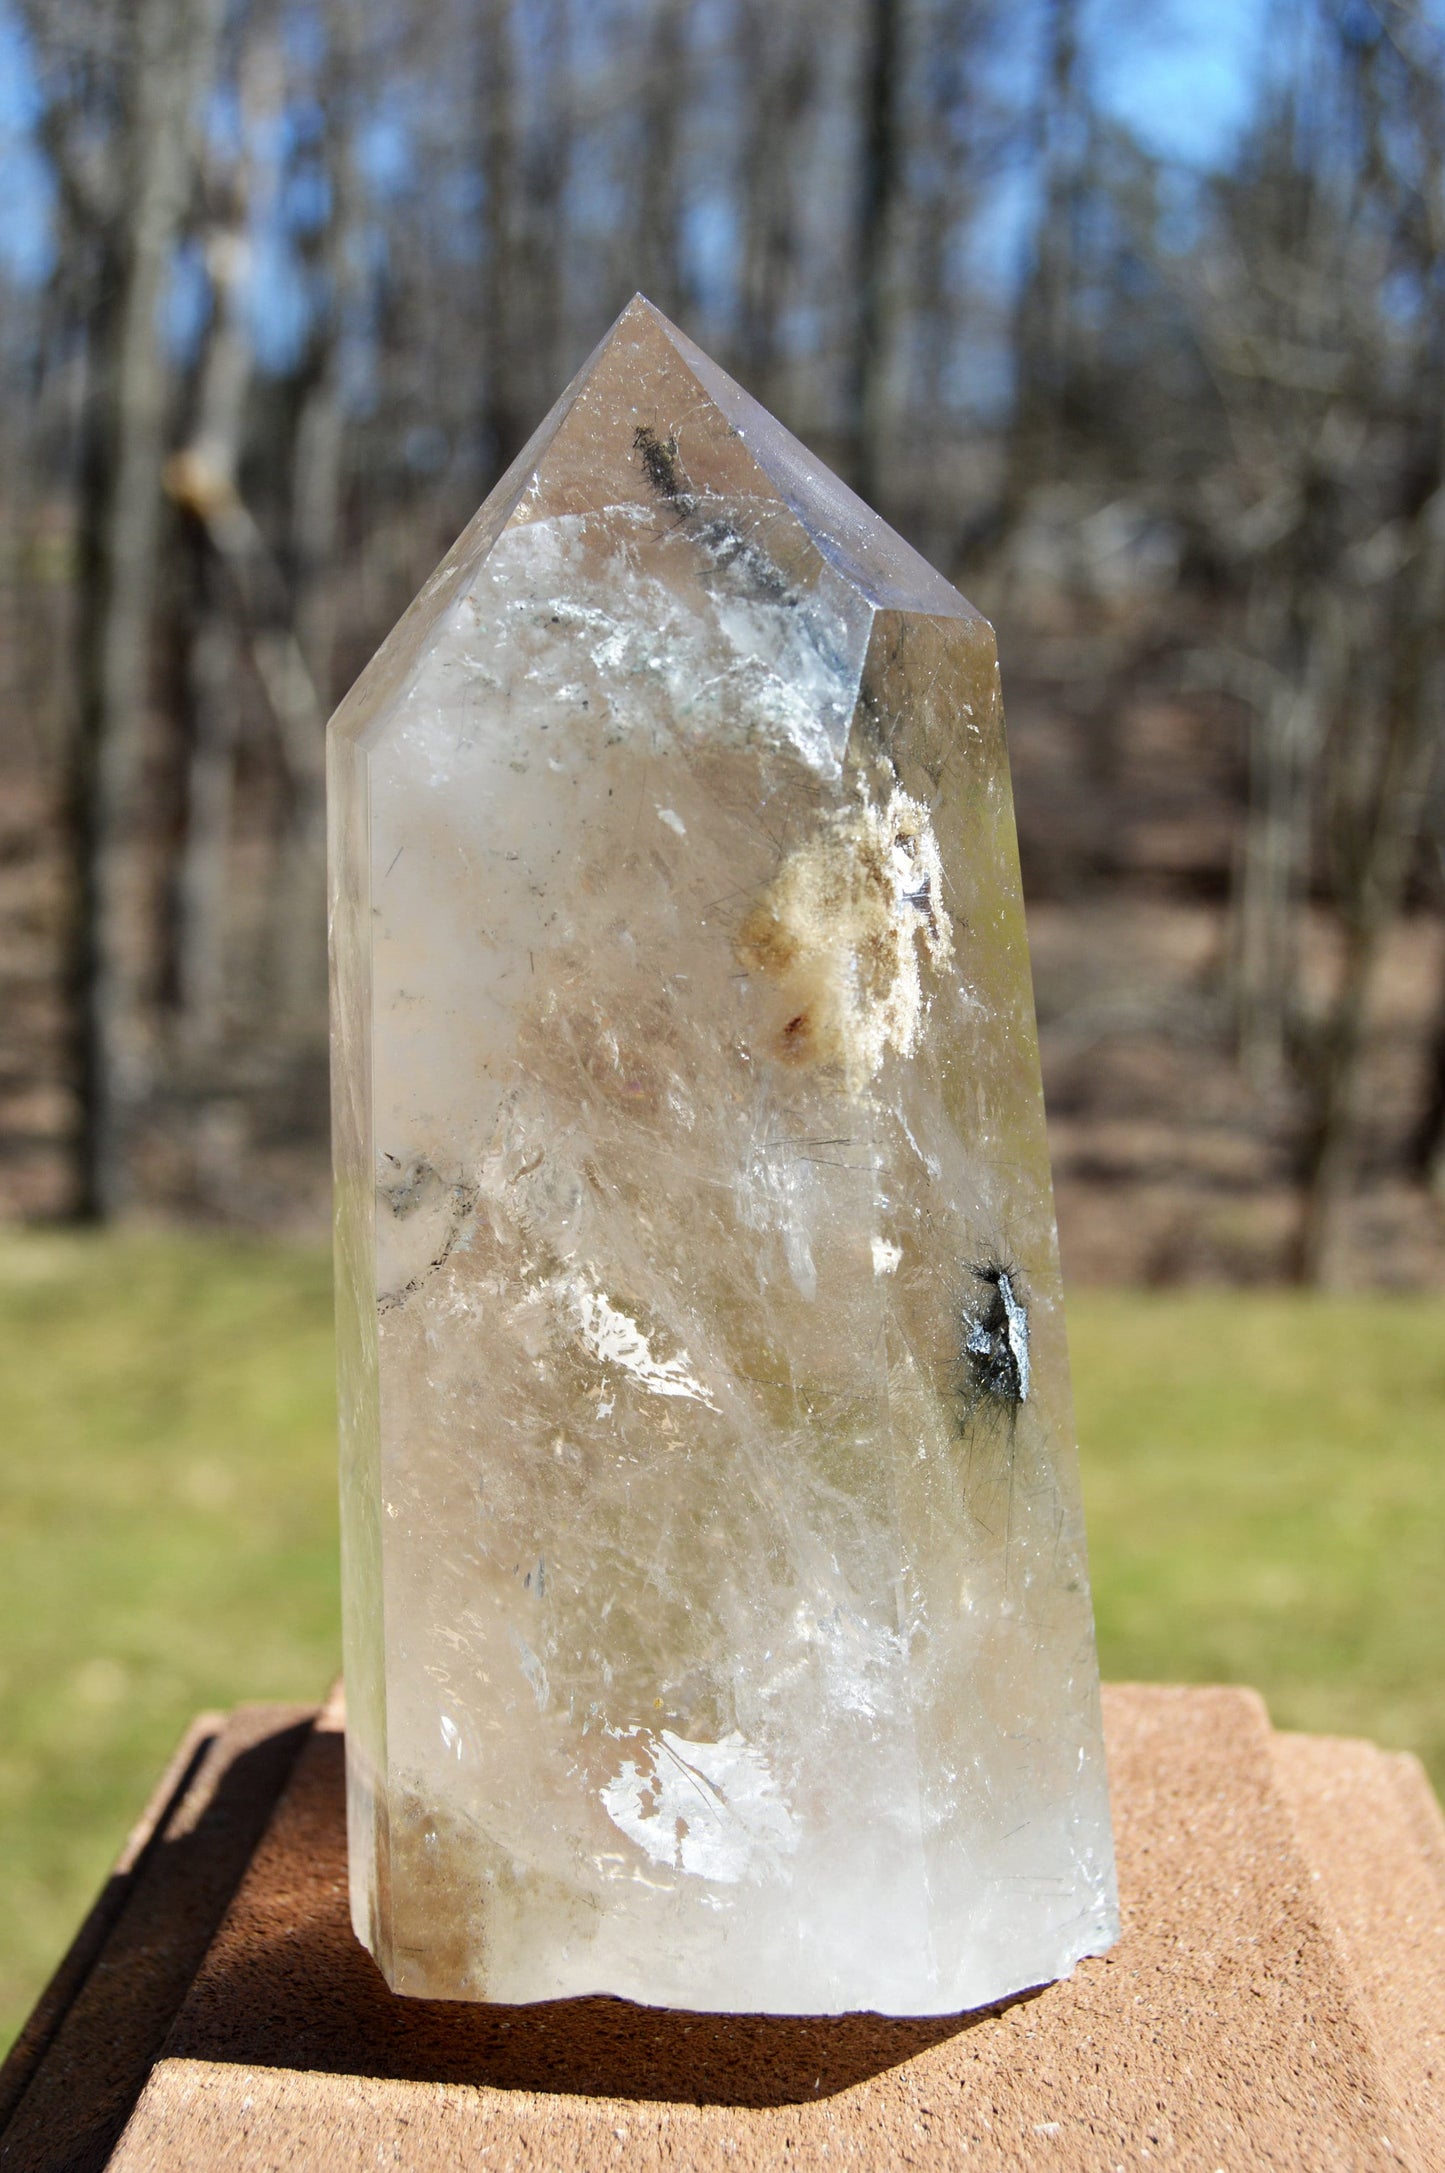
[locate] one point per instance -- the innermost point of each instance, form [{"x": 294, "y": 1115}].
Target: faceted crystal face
[{"x": 717, "y": 1622}]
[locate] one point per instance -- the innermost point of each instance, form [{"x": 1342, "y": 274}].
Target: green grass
[
  {"x": 1264, "y": 1475},
  {"x": 167, "y": 1537},
  {"x": 1264, "y": 1478}
]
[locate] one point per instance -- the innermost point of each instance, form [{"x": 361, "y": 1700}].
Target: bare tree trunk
[
  {"x": 943, "y": 209},
  {"x": 879, "y": 187},
  {"x": 172, "y": 43},
  {"x": 505, "y": 417},
  {"x": 1043, "y": 318},
  {"x": 1378, "y": 886},
  {"x": 240, "y": 587},
  {"x": 297, "y": 933},
  {"x": 1330, "y": 1141},
  {"x": 262, "y": 608},
  {"x": 659, "y": 191},
  {"x": 1427, "y": 1149},
  {"x": 203, "y": 476},
  {"x": 953, "y": 130},
  {"x": 1286, "y": 729},
  {"x": 549, "y": 168},
  {"x": 777, "y": 52},
  {"x": 201, "y": 884},
  {"x": 1412, "y": 632},
  {"x": 321, "y": 428}
]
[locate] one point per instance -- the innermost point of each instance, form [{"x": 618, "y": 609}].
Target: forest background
[
  {"x": 1129, "y": 313},
  {"x": 1132, "y": 318}
]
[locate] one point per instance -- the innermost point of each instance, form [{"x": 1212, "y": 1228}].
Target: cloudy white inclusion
[
  {"x": 710, "y": 1809},
  {"x": 615, "y": 1338}
]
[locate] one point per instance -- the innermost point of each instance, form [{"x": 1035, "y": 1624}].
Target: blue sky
[
  {"x": 1177, "y": 72},
  {"x": 25, "y": 193}
]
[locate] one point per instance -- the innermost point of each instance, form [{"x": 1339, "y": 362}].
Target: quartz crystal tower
[{"x": 716, "y": 1617}]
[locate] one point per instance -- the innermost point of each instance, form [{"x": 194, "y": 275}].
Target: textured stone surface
[
  {"x": 718, "y": 1626},
  {"x": 1277, "y": 1999}
]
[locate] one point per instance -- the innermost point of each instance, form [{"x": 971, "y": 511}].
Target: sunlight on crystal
[{"x": 717, "y": 1621}]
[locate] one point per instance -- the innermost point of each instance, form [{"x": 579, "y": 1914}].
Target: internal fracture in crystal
[{"x": 716, "y": 1615}]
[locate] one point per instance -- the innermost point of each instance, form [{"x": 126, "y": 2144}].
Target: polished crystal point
[{"x": 717, "y": 1625}]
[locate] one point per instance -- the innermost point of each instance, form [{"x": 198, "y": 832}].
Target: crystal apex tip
[{"x": 856, "y": 539}]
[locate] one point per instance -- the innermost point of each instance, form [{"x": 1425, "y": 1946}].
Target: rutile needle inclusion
[{"x": 717, "y": 1626}]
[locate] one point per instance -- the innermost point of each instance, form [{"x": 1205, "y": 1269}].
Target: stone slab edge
[
  {"x": 84, "y": 2058},
  {"x": 49, "y": 2011}
]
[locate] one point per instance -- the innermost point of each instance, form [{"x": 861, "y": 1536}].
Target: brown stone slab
[
  {"x": 1372, "y": 1832},
  {"x": 1273, "y": 2003},
  {"x": 119, "y": 1995},
  {"x": 1277, "y": 2000}
]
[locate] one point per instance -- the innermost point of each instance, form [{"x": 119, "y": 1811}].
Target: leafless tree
[
  {"x": 450, "y": 198},
  {"x": 144, "y": 68}
]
